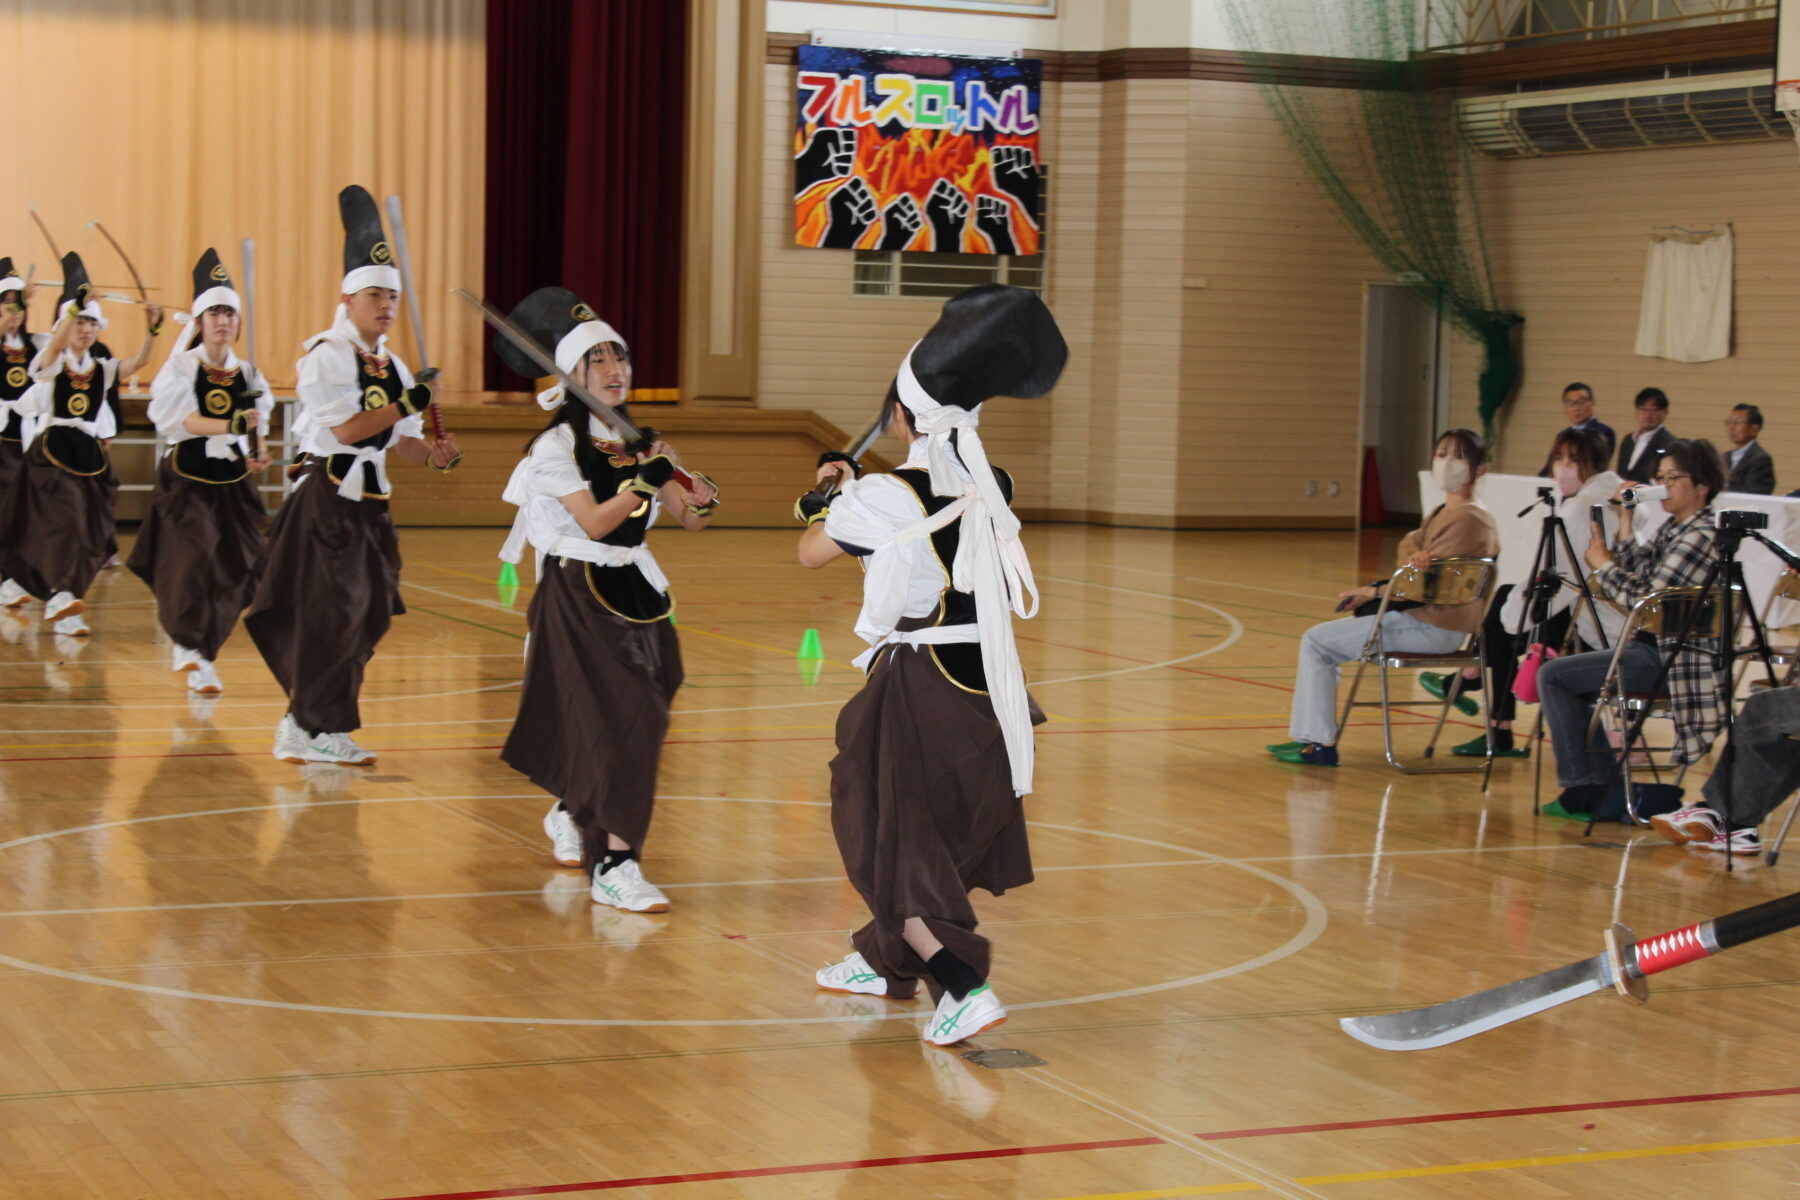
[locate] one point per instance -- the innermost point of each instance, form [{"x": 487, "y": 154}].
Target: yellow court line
[{"x": 1504, "y": 1164}]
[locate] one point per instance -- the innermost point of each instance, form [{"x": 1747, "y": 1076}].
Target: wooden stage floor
[{"x": 221, "y": 976}]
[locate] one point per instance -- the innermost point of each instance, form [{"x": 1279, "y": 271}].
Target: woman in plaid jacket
[{"x": 1681, "y": 555}]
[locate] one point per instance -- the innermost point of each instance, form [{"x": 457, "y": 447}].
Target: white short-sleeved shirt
[{"x": 900, "y": 579}]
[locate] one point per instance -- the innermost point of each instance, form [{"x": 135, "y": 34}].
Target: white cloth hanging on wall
[{"x": 1686, "y": 313}]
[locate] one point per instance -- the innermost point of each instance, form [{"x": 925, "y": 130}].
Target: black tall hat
[
  {"x": 10, "y": 283},
  {"x": 209, "y": 273},
  {"x": 368, "y": 259},
  {"x": 991, "y": 340},
  {"x": 7, "y": 270},
  {"x": 548, "y": 316}
]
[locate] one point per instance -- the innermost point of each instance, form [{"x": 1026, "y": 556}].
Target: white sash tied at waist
[
  {"x": 351, "y": 486},
  {"x": 931, "y": 635},
  {"x": 582, "y": 549}
]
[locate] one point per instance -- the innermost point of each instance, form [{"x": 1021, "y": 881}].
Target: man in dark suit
[
  {"x": 1749, "y": 467},
  {"x": 1578, "y": 409},
  {"x": 1639, "y": 451}
]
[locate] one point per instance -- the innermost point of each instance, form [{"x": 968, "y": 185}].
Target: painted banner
[{"x": 910, "y": 152}]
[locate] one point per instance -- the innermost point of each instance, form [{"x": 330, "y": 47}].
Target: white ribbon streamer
[{"x": 990, "y": 560}]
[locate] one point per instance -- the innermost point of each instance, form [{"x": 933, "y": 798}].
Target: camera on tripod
[{"x": 1742, "y": 519}]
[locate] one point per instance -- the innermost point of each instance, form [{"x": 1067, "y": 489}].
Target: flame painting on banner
[{"x": 917, "y": 152}]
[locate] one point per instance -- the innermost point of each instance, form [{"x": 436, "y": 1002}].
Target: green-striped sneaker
[
  {"x": 958, "y": 1020},
  {"x": 854, "y": 974},
  {"x": 1278, "y": 747}
]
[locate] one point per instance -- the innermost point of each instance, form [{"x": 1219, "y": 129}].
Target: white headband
[
  {"x": 368, "y": 277},
  {"x": 92, "y": 310},
  {"x": 12, "y": 283},
  {"x": 579, "y": 340}
]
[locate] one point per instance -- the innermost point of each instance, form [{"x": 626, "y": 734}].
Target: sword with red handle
[{"x": 1623, "y": 966}]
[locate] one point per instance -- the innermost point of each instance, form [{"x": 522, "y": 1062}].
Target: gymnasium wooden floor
[{"x": 221, "y": 976}]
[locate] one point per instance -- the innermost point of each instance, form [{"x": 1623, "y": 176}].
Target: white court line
[
  {"x": 1249, "y": 587},
  {"x": 281, "y": 703},
  {"x": 1313, "y": 927},
  {"x": 1236, "y": 627}
]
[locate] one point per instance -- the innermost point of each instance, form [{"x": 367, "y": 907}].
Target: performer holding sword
[
  {"x": 202, "y": 538},
  {"x": 331, "y": 577},
  {"x": 603, "y": 662}
]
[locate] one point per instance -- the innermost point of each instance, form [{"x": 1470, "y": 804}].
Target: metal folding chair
[
  {"x": 1617, "y": 708},
  {"x": 1446, "y": 581}
]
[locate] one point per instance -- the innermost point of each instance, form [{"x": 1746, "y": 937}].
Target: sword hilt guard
[{"x": 1621, "y": 956}]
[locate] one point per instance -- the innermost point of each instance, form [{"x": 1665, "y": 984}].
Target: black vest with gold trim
[
  {"x": 378, "y": 382},
  {"x": 217, "y": 393},
  {"x": 623, "y": 590},
  {"x": 76, "y": 395},
  {"x": 961, "y": 661},
  {"x": 15, "y": 380}
]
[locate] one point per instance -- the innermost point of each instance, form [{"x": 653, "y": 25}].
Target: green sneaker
[
  {"x": 1477, "y": 748},
  {"x": 1466, "y": 704},
  {"x": 1278, "y": 747}
]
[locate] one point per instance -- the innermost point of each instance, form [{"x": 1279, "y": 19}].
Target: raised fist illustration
[
  {"x": 1017, "y": 173},
  {"x": 830, "y": 155},
  {"x": 899, "y": 223},
  {"x": 946, "y": 208},
  {"x": 850, "y": 210},
  {"x": 993, "y": 218}
]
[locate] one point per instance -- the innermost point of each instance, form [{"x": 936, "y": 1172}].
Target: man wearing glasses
[{"x": 1752, "y": 470}]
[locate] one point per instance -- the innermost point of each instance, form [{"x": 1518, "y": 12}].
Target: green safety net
[{"x": 1386, "y": 150}]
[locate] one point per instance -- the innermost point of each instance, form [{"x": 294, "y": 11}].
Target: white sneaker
[
  {"x": 625, "y": 887},
  {"x": 958, "y": 1020},
  {"x": 12, "y": 595},
  {"x": 204, "y": 679},
  {"x": 184, "y": 659},
  {"x": 73, "y": 627},
  {"x": 63, "y": 604},
  {"x": 565, "y": 839},
  {"x": 854, "y": 974},
  {"x": 336, "y": 748},
  {"x": 1695, "y": 823},
  {"x": 111, "y": 562},
  {"x": 290, "y": 743}
]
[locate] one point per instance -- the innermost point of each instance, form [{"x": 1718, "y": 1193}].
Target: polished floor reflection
[{"x": 222, "y": 976}]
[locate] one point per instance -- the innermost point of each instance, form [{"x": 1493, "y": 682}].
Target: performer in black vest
[
  {"x": 18, "y": 346},
  {"x": 935, "y": 753},
  {"x": 602, "y": 663},
  {"x": 202, "y": 539},
  {"x": 330, "y": 581},
  {"x": 56, "y": 521}
]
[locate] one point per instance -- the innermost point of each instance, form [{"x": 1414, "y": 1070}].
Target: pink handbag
[{"x": 1525, "y": 682}]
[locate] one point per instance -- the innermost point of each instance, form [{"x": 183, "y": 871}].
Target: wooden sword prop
[
  {"x": 636, "y": 440},
  {"x": 1623, "y": 966},
  {"x": 426, "y": 372}
]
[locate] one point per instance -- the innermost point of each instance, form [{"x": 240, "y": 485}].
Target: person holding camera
[
  {"x": 1683, "y": 553},
  {"x": 1457, "y": 528}
]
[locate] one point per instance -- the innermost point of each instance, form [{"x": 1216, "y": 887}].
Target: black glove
[
  {"x": 415, "y": 399},
  {"x": 241, "y": 421},
  {"x": 652, "y": 473},
  {"x": 811, "y": 508},
  {"x": 831, "y": 456}
]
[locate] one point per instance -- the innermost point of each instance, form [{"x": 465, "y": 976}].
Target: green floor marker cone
[
  {"x": 809, "y": 645},
  {"x": 509, "y": 575}
]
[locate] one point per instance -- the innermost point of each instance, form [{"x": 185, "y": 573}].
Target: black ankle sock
[
  {"x": 957, "y": 976},
  {"x": 613, "y": 858},
  {"x": 1502, "y": 740},
  {"x": 1581, "y": 798}
]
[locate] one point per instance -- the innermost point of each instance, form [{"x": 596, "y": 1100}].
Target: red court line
[
  {"x": 857, "y": 1164},
  {"x": 1489, "y": 1113}
]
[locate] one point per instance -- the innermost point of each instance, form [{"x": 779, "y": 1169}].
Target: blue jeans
[
  {"x": 1565, "y": 686},
  {"x": 1326, "y": 647}
]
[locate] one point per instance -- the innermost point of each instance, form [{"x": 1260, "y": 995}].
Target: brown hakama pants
[
  {"x": 593, "y": 708},
  {"x": 55, "y": 524},
  {"x": 11, "y": 455},
  {"x": 199, "y": 549},
  {"x": 330, "y": 587},
  {"x": 924, "y": 812}
]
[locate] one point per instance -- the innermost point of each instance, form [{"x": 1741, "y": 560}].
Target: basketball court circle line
[{"x": 1311, "y": 929}]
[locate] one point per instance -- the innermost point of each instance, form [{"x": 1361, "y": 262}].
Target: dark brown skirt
[
  {"x": 198, "y": 549},
  {"x": 329, "y": 589},
  {"x": 11, "y": 455},
  {"x": 55, "y": 526},
  {"x": 594, "y": 708},
  {"x": 924, "y": 812}
]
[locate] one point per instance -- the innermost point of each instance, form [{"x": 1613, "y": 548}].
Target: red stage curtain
[{"x": 587, "y": 112}]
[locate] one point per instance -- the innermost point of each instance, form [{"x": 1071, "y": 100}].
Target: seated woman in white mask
[{"x": 1457, "y": 528}]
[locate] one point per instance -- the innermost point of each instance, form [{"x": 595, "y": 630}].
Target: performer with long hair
[
  {"x": 202, "y": 538},
  {"x": 330, "y": 582},
  {"x": 56, "y": 521},
  {"x": 935, "y": 753},
  {"x": 18, "y": 346},
  {"x": 602, "y": 663}
]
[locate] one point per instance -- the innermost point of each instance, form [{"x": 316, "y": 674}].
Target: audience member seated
[
  {"x": 1762, "y": 763},
  {"x": 1577, "y": 462},
  {"x": 1640, "y": 450},
  {"x": 1578, "y": 409},
  {"x": 1749, "y": 467},
  {"x": 1680, "y": 556},
  {"x": 1457, "y": 528}
]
